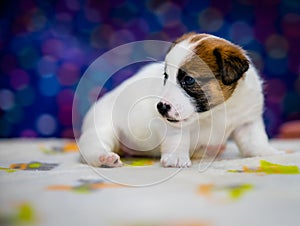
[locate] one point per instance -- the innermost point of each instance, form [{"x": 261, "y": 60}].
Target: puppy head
[{"x": 201, "y": 72}]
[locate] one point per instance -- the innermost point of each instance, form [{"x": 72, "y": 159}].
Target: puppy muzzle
[{"x": 164, "y": 109}]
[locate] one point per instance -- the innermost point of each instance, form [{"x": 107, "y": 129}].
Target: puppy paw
[
  {"x": 179, "y": 161},
  {"x": 262, "y": 151},
  {"x": 110, "y": 160}
]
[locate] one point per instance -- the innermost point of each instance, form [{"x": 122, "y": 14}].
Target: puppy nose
[{"x": 163, "y": 108}]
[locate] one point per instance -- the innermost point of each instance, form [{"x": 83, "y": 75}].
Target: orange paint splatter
[
  {"x": 60, "y": 188},
  {"x": 85, "y": 187},
  {"x": 70, "y": 147},
  {"x": 205, "y": 189}
]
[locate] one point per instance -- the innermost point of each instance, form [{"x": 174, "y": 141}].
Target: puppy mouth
[
  {"x": 181, "y": 120},
  {"x": 173, "y": 120}
]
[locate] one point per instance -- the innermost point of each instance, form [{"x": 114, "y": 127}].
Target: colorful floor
[{"x": 43, "y": 183}]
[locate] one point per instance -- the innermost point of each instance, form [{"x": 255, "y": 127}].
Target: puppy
[{"x": 206, "y": 91}]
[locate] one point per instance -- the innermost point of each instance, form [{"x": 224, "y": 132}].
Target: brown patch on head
[
  {"x": 194, "y": 37},
  {"x": 198, "y": 37},
  {"x": 217, "y": 66},
  {"x": 184, "y": 37},
  {"x": 180, "y": 39}
]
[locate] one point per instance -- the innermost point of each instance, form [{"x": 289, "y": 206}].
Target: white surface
[{"x": 274, "y": 199}]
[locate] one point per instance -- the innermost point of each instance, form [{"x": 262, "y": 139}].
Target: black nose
[{"x": 163, "y": 108}]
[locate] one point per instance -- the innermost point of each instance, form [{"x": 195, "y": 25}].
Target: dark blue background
[{"x": 45, "y": 47}]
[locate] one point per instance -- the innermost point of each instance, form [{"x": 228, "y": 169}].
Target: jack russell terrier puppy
[{"x": 206, "y": 91}]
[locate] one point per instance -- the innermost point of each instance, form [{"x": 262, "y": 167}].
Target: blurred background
[{"x": 46, "y": 45}]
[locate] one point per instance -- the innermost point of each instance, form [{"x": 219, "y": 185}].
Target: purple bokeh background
[{"x": 45, "y": 47}]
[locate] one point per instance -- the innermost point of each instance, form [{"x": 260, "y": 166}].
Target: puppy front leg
[
  {"x": 252, "y": 140},
  {"x": 96, "y": 149},
  {"x": 175, "y": 149}
]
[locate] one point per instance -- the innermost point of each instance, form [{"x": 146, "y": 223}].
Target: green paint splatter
[
  {"x": 25, "y": 213},
  {"x": 137, "y": 161},
  {"x": 47, "y": 151},
  {"x": 83, "y": 189},
  {"x": 237, "y": 192},
  {"x": 272, "y": 168},
  {"x": 269, "y": 168},
  {"x": 34, "y": 165},
  {"x": 8, "y": 170}
]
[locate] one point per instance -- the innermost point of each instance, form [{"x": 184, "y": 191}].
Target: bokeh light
[
  {"x": 47, "y": 65},
  {"x": 49, "y": 85},
  {"x": 47, "y": 45},
  {"x": 210, "y": 20},
  {"x": 46, "y": 124},
  {"x": 7, "y": 99},
  {"x": 68, "y": 74},
  {"x": 19, "y": 79},
  {"x": 241, "y": 32}
]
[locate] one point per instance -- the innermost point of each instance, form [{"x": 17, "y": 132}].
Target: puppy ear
[{"x": 232, "y": 63}]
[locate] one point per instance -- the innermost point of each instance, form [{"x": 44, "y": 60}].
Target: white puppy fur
[{"x": 127, "y": 118}]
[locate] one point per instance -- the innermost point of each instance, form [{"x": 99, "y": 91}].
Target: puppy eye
[
  {"x": 165, "y": 78},
  {"x": 166, "y": 75},
  {"x": 189, "y": 81}
]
